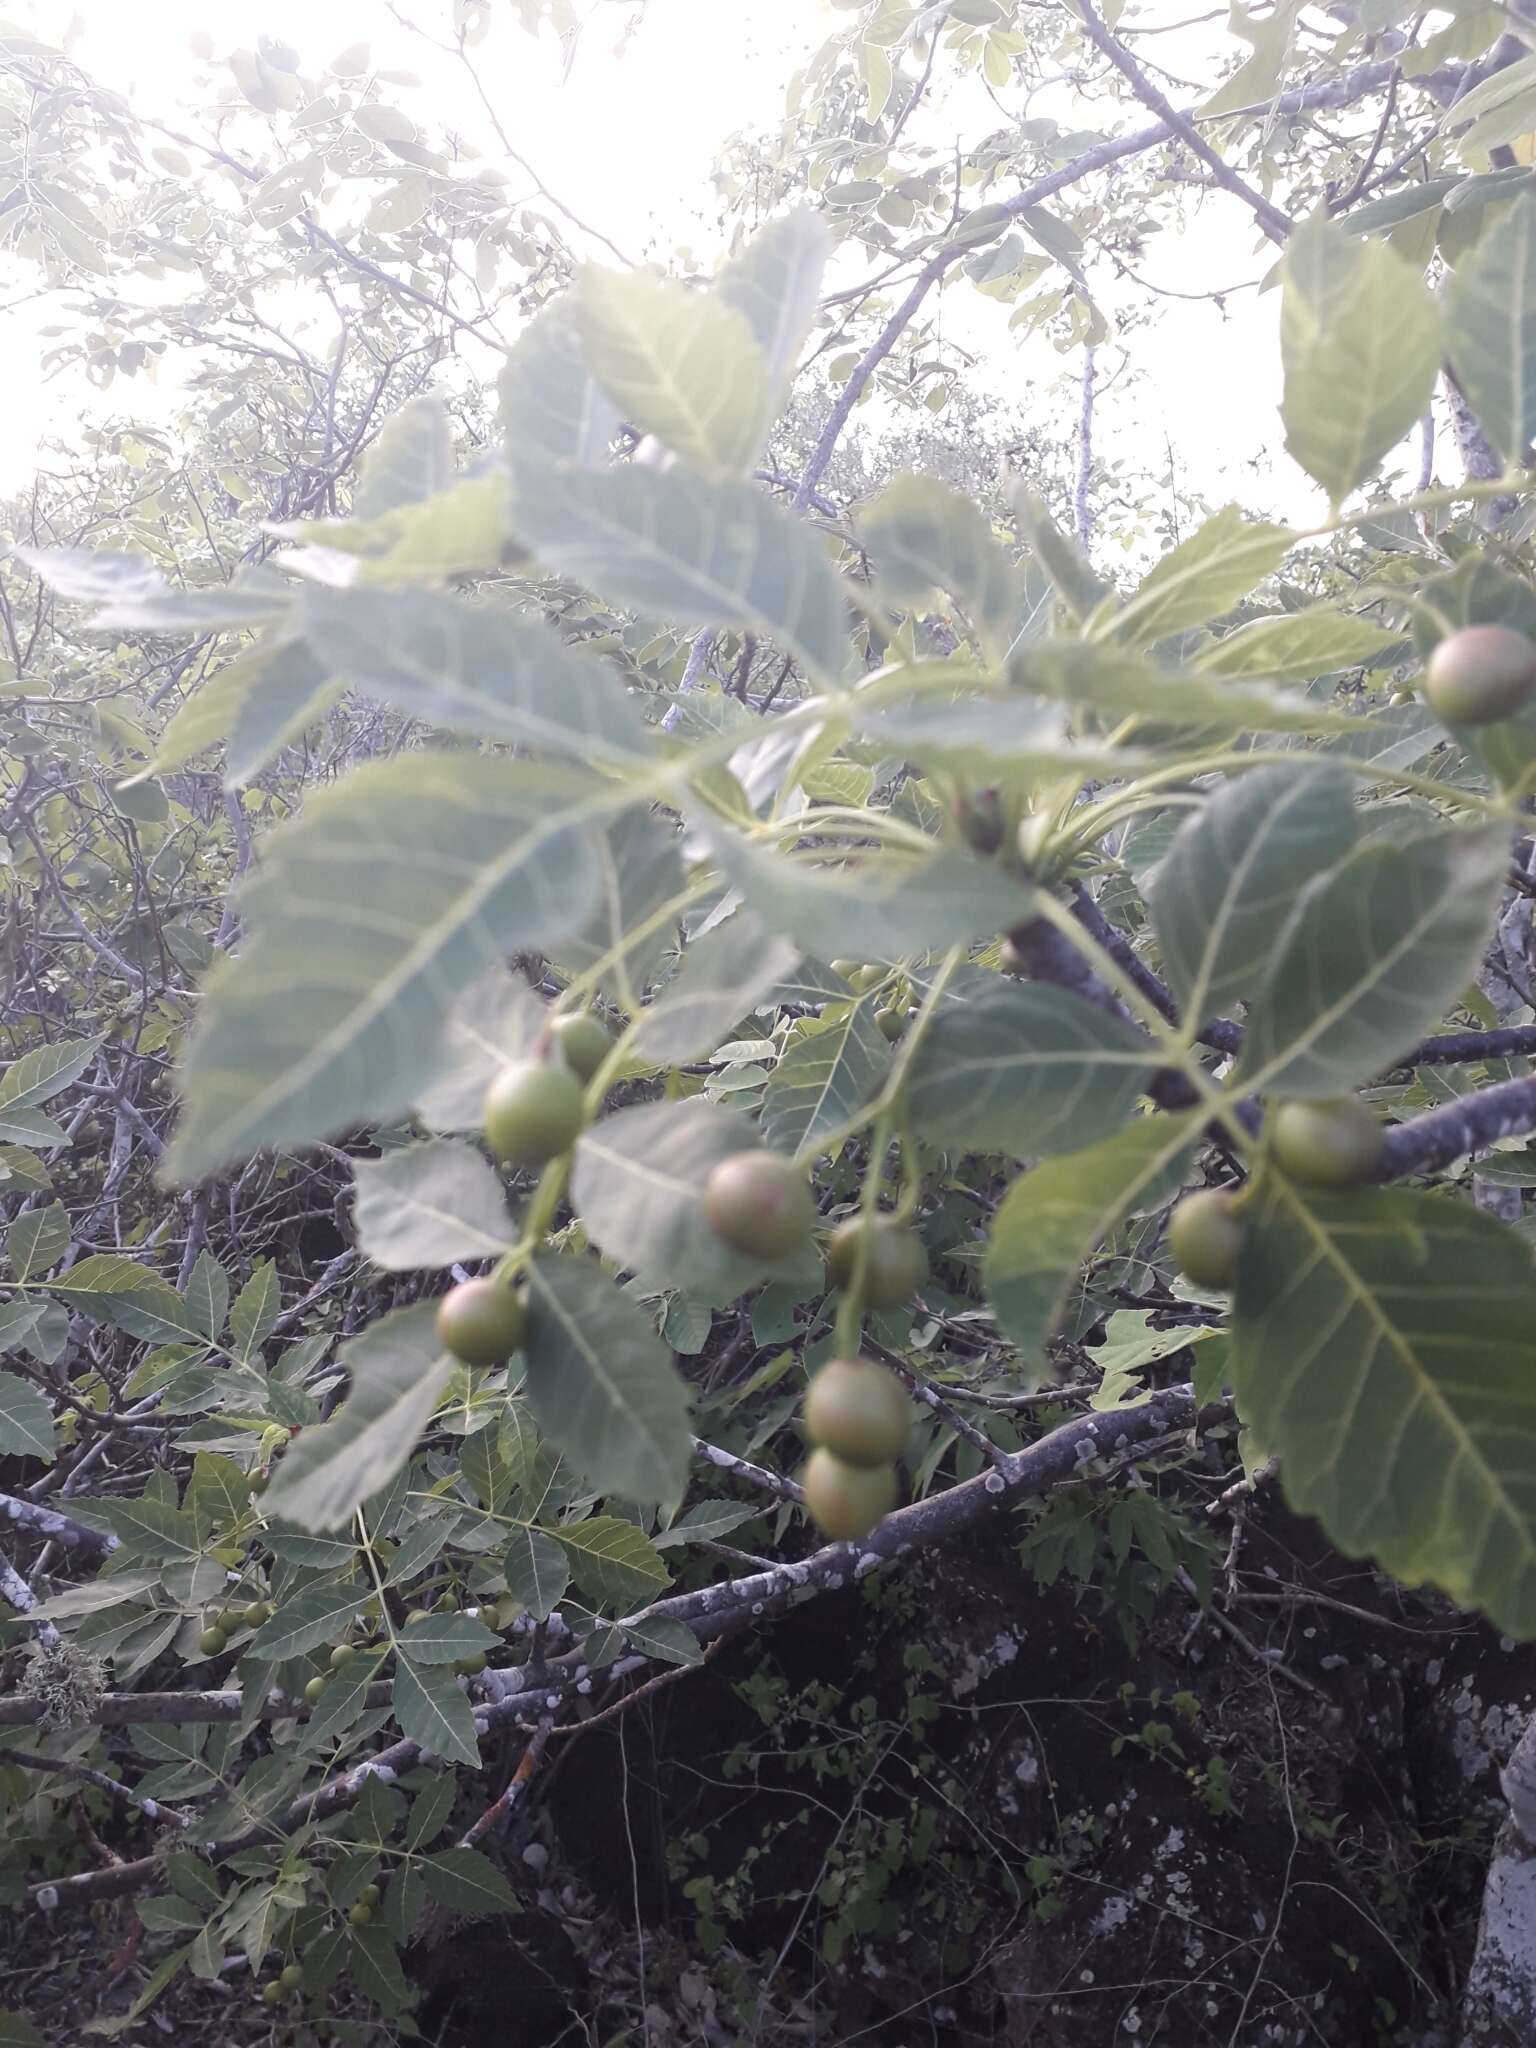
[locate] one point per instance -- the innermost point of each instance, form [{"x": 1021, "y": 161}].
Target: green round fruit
[
  {"x": 369, "y": 1895},
  {"x": 866, "y": 978},
  {"x": 1327, "y": 1144},
  {"x": 532, "y": 1112},
  {"x": 847, "y": 1501},
  {"x": 1205, "y": 1237},
  {"x": 760, "y": 1203},
  {"x": 417, "y": 1614},
  {"x": 584, "y": 1041},
  {"x": 272, "y": 1992},
  {"x": 890, "y": 1024},
  {"x": 1480, "y": 674},
  {"x": 313, "y": 1690},
  {"x": 858, "y": 1411},
  {"x": 448, "y": 1603},
  {"x": 846, "y": 968},
  {"x": 257, "y": 1613},
  {"x": 471, "y": 1667},
  {"x": 896, "y": 1265},
  {"x": 1401, "y": 697},
  {"x": 342, "y": 1656},
  {"x": 291, "y": 1977},
  {"x": 481, "y": 1322},
  {"x": 213, "y": 1642},
  {"x": 359, "y": 1915},
  {"x": 258, "y": 1482}
]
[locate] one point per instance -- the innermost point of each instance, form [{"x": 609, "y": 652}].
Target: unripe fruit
[
  {"x": 1327, "y": 1144},
  {"x": 1480, "y": 674},
  {"x": 342, "y": 1656},
  {"x": 847, "y": 1501},
  {"x": 760, "y": 1203},
  {"x": 359, "y": 1915},
  {"x": 313, "y": 1690},
  {"x": 272, "y": 1992},
  {"x": 481, "y": 1322},
  {"x": 584, "y": 1041},
  {"x": 291, "y": 1977},
  {"x": 258, "y": 1482},
  {"x": 865, "y": 978},
  {"x": 894, "y": 1268},
  {"x": 890, "y": 1024},
  {"x": 532, "y": 1112},
  {"x": 1205, "y": 1237},
  {"x": 471, "y": 1667},
  {"x": 858, "y": 1411},
  {"x": 230, "y": 1618},
  {"x": 448, "y": 1603},
  {"x": 846, "y": 968},
  {"x": 257, "y": 1614},
  {"x": 369, "y": 1895},
  {"x": 416, "y": 1614},
  {"x": 212, "y": 1642}
]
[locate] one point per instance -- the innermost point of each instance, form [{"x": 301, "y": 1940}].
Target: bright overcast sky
[{"x": 627, "y": 140}]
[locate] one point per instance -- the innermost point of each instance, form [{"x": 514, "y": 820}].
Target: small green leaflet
[
  {"x": 427, "y": 1205},
  {"x": 312, "y": 1620},
  {"x": 1490, "y": 314},
  {"x": 723, "y": 974},
  {"x": 537, "y": 1572},
  {"x": 824, "y": 1079},
  {"x": 26, "y": 1420},
  {"x": 1202, "y": 577},
  {"x": 431, "y": 1710}
]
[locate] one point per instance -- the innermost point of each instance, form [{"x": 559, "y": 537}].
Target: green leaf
[
  {"x": 1490, "y": 314},
  {"x": 1499, "y": 108},
  {"x": 445, "y": 1638},
  {"x": 427, "y": 1205},
  {"x": 494, "y": 1020},
  {"x": 469, "y": 669},
  {"x": 1024, "y": 1068},
  {"x": 26, "y": 1420},
  {"x": 638, "y": 1187},
  {"x": 465, "y": 1882},
  {"x": 31, "y": 1127},
  {"x": 639, "y": 875},
  {"x": 431, "y": 1710},
  {"x": 256, "y": 1309},
  {"x": 665, "y": 1637},
  {"x": 923, "y": 535},
  {"x": 1202, "y": 577},
  {"x": 704, "y": 1521},
  {"x": 1360, "y": 341},
  {"x": 1296, "y": 644},
  {"x": 111, "y": 1289},
  {"x": 207, "y": 1297},
  {"x": 681, "y": 364},
  {"x": 44, "y": 1072},
  {"x": 17, "y": 2031},
  {"x": 1233, "y": 874},
  {"x": 1379, "y": 947},
  {"x": 722, "y": 976},
  {"x": 392, "y": 890},
  {"x": 823, "y": 1079},
  {"x": 552, "y": 407},
  {"x": 256, "y": 704},
  {"x": 373, "y": 1961},
  {"x": 1054, "y": 1216},
  {"x": 603, "y": 1389},
  {"x": 614, "y": 1563},
  {"x": 313, "y": 1620},
  {"x": 694, "y": 550},
  {"x": 885, "y": 903},
  {"x": 994, "y": 737},
  {"x": 1120, "y": 684},
  {"x": 132, "y": 596},
  {"x": 329, "y": 1470},
  {"x": 537, "y": 1572},
  {"x": 22, "y": 1172},
  {"x": 1061, "y": 559},
  {"x": 775, "y": 284},
  {"x": 411, "y": 459},
  {"x": 37, "y": 1240},
  {"x": 1381, "y": 1349}
]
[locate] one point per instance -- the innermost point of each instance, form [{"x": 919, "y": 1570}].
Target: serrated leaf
[
  {"x": 494, "y": 1020},
  {"x": 775, "y": 283},
  {"x": 682, "y": 365},
  {"x": 1381, "y": 1349},
  {"x": 537, "y": 1572},
  {"x": 638, "y": 1187},
  {"x": 31, "y": 1127},
  {"x": 37, "y": 1240},
  {"x": 1024, "y": 1068},
  {"x": 705, "y": 1521},
  {"x": 445, "y": 1638},
  {"x": 613, "y": 1562},
  {"x": 664, "y": 1637},
  {"x": 44, "y": 1072},
  {"x": 602, "y": 1388},
  {"x": 110, "y": 1289},
  {"x": 329, "y": 1470},
  {"x": 314, "y": 1619},
  {"x": 22, "y": 1172},
  {"x": 26, "y": 1420},
  {"x": 427, "y": 1205},
  {"x": 432, "y": 1711},
  {"x": 1233, "y": 874},
  {"x": 373, "y": 1963},
  {"x": 823, "y": 1079},
  {"x": 886, "y": 903},
  {"x": 466, "y": 668},
  {"x": 722, "y": 976},
  {"x": 1202, "y": 577},
  {"x": 464, "y": 1881},
  {"x": 207, "y": 1296},
  {"x": 1378, "y": 949},
  {"x": 1053, "y": 1216},
  {"x": 255, "y": 1311},
  {"x": 1360, "y": 340},
  {"x": 1490, "y": 315},
  {"x": 392, "y": 890},
  {"x": 1296, "y": 644},
  {"x": 694, "y": 550},
  {"x": 923, "y": 535},
  {"x": 255, "y": 704},
  {"x": 552, "y": 407}
]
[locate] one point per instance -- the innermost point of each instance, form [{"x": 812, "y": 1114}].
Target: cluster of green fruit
[
  {"x": 1317, "y": 1144},
  {"x": 856, "y": 1413},
  {"x": 289, "y": 1980},
  {"x": 534, "y": 1111},
  {"x": 228, "y": 1621},
  {"x": 891, "y": 1015}
]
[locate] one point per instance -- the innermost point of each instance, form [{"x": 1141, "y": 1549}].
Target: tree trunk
[{"x": 1499, "y": 2004}]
